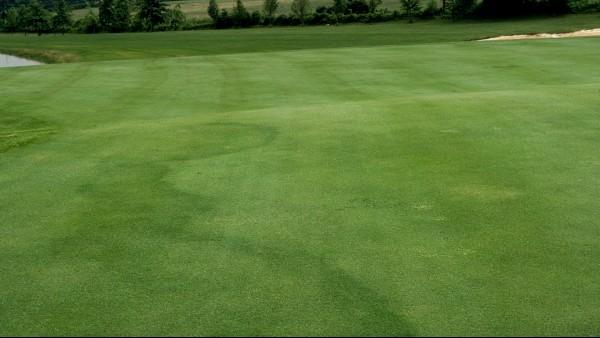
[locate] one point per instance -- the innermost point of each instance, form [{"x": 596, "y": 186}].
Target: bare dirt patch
[{"x": 581, "y": 33}]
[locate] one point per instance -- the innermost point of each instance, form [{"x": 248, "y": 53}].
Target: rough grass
[
  {"x": 419, "y": 189},
  {"x": 46, "y": 56}
]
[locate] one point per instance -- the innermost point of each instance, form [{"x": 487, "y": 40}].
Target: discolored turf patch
[
  {"x": 485, "y": 192},
  {"x": 18, "y": 131}
]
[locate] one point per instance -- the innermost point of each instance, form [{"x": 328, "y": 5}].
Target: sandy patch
[
  {"x": 14, "y": 61},
  {"x": 581, "y": 33}
]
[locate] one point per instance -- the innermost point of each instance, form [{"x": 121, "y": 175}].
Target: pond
[{"x": 13, "y": 61}]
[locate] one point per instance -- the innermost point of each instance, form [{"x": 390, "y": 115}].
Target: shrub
[
  {"x": 323, "y": 18},
  {"x": 377, "y": 16},
  {"x": 195, "y": 24},
  {"x": 348, "y": 18},
  {"x": 324, "y": 10}
]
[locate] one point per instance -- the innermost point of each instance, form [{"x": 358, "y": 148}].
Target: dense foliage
[
  {"x": 6, "y": 4},
  {"x": 512, "y": 8},
  {"x": 113, "y": 16},
  {"x": 45, "y": 16}
]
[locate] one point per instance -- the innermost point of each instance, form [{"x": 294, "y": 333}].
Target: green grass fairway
[{"x": 303, "y": 181}]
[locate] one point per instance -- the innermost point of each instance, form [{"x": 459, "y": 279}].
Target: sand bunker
[
  {"x": 13, "y": 61},
  {"x": 581, "y": 33}
]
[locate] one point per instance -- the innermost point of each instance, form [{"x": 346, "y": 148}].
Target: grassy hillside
[
  {"x": 358, "y": 180},
  {"x": 63, "y": 48}
]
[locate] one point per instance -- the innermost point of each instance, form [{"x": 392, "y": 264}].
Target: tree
[
  {"x": 24, "y": 18},
  {"x": 224, "y": 20},
  {"x": 239, "y": 14},
  {"x": 152, "y": 13},
  {"x": 461, "y": 8},
  {"x": 174, "y": 18},
  {"x": 38, "y": 18},
  {"x": 373, "y": 4},
  {"x": 122, "y": 16},
  {"x": 269, "y": 8},
  {"x": 213, "y": 11},
  {"x": 11, "y": 20},
  {"x": 106, "y": 15},
  {"x": 431, "y": 9},
  {"x": 300, "y": 9},
  {"x": 90, "y": 23},
  {"x": 340, "y": 6},
  {"x": 255, "y": 18},
  {"x": 410, "y": 8},
  {"x": 62, "y": 21},
  {"x": 3, "y": 9}
]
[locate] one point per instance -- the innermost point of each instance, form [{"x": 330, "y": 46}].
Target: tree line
[
  {"x": 154, "y": 15},
  {"x": 368, "y": 11},
  {"x": 113, "y": 16}
]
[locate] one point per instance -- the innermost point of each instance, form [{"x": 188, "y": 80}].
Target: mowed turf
[{"x": 440, "y": 188}]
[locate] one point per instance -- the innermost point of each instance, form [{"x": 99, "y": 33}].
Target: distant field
[
  {"x": 388, "y": 179},
  {"x": 197, "y": 8}
]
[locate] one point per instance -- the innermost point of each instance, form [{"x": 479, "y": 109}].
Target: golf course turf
[{"x": 388, "y": 179}]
